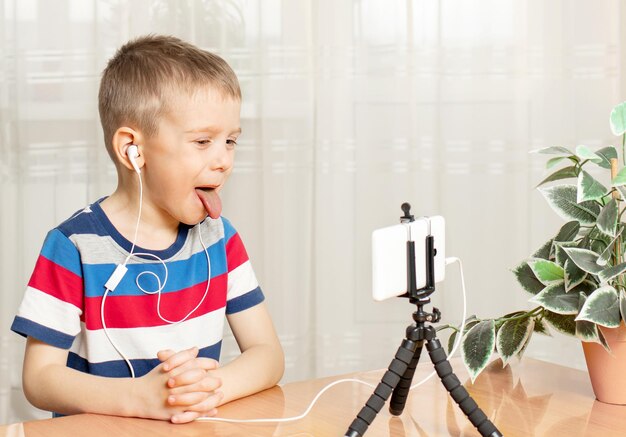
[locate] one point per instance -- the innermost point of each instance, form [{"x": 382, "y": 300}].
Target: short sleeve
[
  {"x": 52, "y": 305},
  {"x": 243, "y": 288}
]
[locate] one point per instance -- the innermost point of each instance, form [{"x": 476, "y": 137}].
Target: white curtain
[{"x": 350, "y": 108}]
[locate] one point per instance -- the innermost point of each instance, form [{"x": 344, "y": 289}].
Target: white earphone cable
[
  {"x": 160, "y": 285},
  {"x": 323, "y": 390}
]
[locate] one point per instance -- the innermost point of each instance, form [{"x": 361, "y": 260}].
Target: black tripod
[{"x": 397, "y": 379}]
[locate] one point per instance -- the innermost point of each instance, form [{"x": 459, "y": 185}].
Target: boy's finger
[
  {"x": 165, "y": 354},
  {"x": 208, "y": 404},
  {"x": 187, "y": 399},
  {"x": 207, "y": 384},
  {"x": 189, "y": 377},
  {"x": 200, "y": 363},
  {"x": 185, "y": 417},
  {"x": 179, "y": 358}
]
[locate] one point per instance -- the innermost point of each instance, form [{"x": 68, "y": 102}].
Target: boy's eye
[
  {"x": 232, "y": 143},
  {"x": 203, "y": 142}
]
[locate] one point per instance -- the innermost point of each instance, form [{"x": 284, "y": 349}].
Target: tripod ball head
[{"x": 406, "y": 209}]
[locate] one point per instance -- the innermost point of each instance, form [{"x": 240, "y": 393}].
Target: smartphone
[{"x": 389, "y": 255}]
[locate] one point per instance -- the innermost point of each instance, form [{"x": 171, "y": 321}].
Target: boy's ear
[{"x": 122, "y": 139}]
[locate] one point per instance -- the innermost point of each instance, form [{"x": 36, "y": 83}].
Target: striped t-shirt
[{"x": 61, "y": 305}]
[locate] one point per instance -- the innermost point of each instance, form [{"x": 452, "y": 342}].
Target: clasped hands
[{"x": 181, "y": 388}]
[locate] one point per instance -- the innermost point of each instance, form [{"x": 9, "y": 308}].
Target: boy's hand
[{"x": 192, "y": 390}]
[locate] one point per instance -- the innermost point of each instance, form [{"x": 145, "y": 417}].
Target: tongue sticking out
[{"x": 211, "y": 201}]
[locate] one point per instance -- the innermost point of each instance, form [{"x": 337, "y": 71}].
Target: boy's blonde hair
[{"x": 146, "y": 74}]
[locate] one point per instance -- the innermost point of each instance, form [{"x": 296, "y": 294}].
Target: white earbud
[{"x": 133, "y": 153}]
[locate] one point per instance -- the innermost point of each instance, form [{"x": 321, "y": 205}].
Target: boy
[{"x": 170, "y": 115}]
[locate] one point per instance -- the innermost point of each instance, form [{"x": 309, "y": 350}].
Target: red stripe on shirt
[
  {"x": 141, "y": 311},
  {"x": 236, "y": 253},
  {"x": 57, "y": 281}
]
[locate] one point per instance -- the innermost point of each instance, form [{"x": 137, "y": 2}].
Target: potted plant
[{"x": 577, "y": 279}]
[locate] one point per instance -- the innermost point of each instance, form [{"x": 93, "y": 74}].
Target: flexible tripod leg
[
  {"x": 401, "y": 392},
  {"x": 458, "y": 392},
  {"x": 397, "y": 368}
]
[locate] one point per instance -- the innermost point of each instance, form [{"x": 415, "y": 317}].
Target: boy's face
[{"x": 194, "y": 148}]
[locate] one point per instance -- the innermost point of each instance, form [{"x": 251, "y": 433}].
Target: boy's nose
[{"x": 221, "y": 158}]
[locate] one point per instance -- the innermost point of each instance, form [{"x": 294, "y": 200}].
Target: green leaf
[
  {"x": 564, "y": 173},
  {"x": 584, "y": 259},
  {"x": 553, "y": 150},
  {"x": 563, "y": 200},
  {"x": 561, "y": 322},
  {"x": 556, "y": 299},
  {"x": 547, "y": 272},
  {"x": 512, "y": 337},
  {"x": 606, "y": 153},
  {"x": 607, "y": 219},
  {"x": 477, "y": 347},
  {"x": 586, "y": 331},
  {"x": 527, "y": 279},
  {"x": 602, "y": 307},
  {"x": 611, "y": 272},
  {"x": 620, "y": 179},
  {"x": 618, "y": 119},
  {"x": 584, "y": 152},
  {"x": 589, "y": 188}
]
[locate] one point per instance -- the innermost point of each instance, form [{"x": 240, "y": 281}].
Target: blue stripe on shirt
[
  {"x": 119, "y": 368},
  {"x": 181, "y": 274},
  {"x": 60, "y": 250},
  {"x": 28, "y": 328},
  {"x": 245, "y": 301}
]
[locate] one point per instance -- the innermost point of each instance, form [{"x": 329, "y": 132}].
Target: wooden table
[{"x": 530, "y": 398}]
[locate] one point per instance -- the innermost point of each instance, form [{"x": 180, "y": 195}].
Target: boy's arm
[
  {"x": 50, "y": 385},
  {"x": 261, "y": 363}
]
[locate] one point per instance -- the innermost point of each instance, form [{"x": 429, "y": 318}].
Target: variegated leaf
[
  {"x": 620, "y": 179},
  {"x": 568, "y": 231},
  {"x": 541, "y": 327},
  {"x": 584, "y": 259},
  {"x": 606, "y": 153},
  {"x": 586, "y": 331},
  {"x": 607, "y": 219},
  {"x": 606, "y": 254},
  {"x": 603, "y": 341},
  {"x": 512, "y": 337},
  {"x": 584, "y": 152},
  {"x": 553, "y": 150},
  {"x": 548, "y": 272},
  {"x": 554, "y": 298},
  {"x": 622, "y": 304},
  {"x": 602, "y": 307},
  {"x": 544, "y": 251},
  {"x": 563, "y": 173},
  {"x": 527, "y": 279},
  {"x": 573, "y": 275},
  {"x": 565, "y": 324},
  {"x": 478, "y": 346},
  {"x": 611, "y": 272},
  {"x": 563, "y": 200},
  {"x": 554, "y": 161},
  {"x": 618, "y": 119},
  {"x": 589, "y": 188},
  {"x": 560, "y": 256}
]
